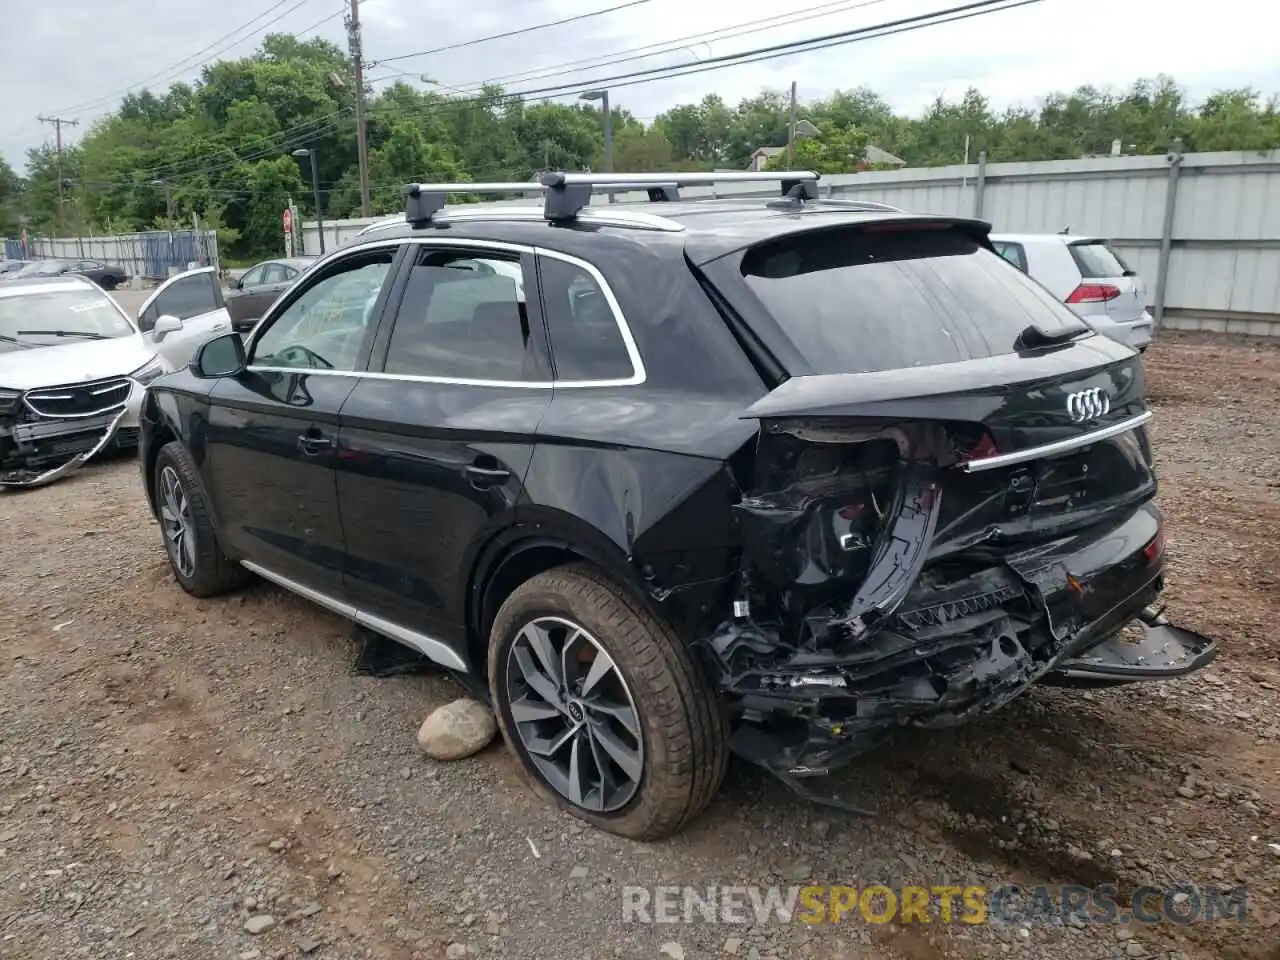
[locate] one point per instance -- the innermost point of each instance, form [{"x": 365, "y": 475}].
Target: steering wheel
[{"x": 289, "y": 355}]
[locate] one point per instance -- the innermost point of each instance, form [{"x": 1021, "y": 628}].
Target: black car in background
[
  {"x": 664, "y": 481},
  {"x": 106, "y": 275},
  {"x": 259, "y": 287}
]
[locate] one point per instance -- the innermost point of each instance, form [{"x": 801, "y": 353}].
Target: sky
[{"x": 67, "y": 60}]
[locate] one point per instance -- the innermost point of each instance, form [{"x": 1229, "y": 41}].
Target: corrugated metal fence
[
  {"x": 1203, "y": 229},
  {"x": 154, "y": 255}
]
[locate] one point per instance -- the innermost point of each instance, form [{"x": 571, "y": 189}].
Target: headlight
[
  {"x": 149, "y": 371},
  {"x": 9, "y": 399}
]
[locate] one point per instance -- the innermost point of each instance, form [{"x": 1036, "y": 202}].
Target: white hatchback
[{"x": 1089, "y": 276}]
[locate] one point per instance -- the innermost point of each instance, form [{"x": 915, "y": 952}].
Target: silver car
[{"x": 1089, "y": 276}]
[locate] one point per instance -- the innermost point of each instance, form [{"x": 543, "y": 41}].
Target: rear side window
[
  {"x": 586, "y": 340},
  {"x": 1013, "y": 252},
  {"x": 1098, "y": 261},
  {"x": 862, "y": 299}
]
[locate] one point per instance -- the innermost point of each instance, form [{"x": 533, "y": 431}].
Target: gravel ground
[{"x": 178, "y": 774}]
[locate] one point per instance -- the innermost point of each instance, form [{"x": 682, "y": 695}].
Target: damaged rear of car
[{"x": 952, "y": 501}]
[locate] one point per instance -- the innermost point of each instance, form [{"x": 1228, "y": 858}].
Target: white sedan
[{"x": 74, "y": 366}]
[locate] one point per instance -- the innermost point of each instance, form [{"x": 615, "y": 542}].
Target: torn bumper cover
[
  {"x": 931, "y": 642},
  {"x": 50, "y": 450}
]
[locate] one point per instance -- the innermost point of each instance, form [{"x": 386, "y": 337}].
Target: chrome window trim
[
  {"x": 638, "y": 372},
  {"x": 427, "y": 646},
  {"x": 1058, "y": 447}
]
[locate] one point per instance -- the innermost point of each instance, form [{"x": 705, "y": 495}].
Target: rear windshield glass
[
  {"x": 857, "y": 300},
  {"x": 1097, "y": 261}
]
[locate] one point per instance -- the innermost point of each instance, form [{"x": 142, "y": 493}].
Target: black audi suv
[{"x": 665, "y": 481}]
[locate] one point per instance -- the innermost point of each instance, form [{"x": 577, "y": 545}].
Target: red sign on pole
[{"x": 286, "y": 220}]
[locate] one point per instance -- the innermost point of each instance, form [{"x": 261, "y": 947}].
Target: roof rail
[{"x": 565, "y": 194}]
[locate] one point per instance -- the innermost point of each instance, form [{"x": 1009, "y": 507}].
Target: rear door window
[
  {"x": 464, "y": 318},
  {"x": 1097, "y": 260},
  {"x": 883, "y": 297}
]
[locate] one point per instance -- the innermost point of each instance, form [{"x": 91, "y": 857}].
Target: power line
[
  {"x": 512, "y": 33},
  {"x": 761, "y": 54},
  {"x": 674, "y": 45}
]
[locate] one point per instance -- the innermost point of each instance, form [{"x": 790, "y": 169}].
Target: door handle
[
  {"x": 312, "y": 443},
  {"x": 482, "y": 477}
]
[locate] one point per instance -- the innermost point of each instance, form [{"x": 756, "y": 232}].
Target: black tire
[
  {"x": 210, "y": 572},
  {"x": 684, "y": 734},
  {"x": 109, "y": 283}
]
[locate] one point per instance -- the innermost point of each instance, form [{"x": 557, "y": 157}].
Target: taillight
[
  {"x": 985, "y": 447},
  {"x": 1093, "y": 293},
  {"x": 1155, "y": 547}
]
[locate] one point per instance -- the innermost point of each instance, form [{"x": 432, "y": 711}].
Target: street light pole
[
  {"x": 315, "y": 189},
  {"x": 603, "y": 97}
]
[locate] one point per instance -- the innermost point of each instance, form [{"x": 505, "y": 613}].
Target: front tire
[
  {"x": 603, "y": 705},
  {"x": 197, "y": 562},
  {"x": 109, "y": 283}
]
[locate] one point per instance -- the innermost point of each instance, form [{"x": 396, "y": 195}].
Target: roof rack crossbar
[
  {"x": 565, "y": 194},
  {"x": 422, "y": 201}
]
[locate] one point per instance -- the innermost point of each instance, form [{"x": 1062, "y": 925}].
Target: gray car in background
[
  {"x": 259, "y": 287},
  {"x": 1089, "y": 276}
]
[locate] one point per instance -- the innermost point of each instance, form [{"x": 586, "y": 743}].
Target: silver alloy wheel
[
  {"x": 175, "y": 517},
  {"x": 574, "y": 714}
]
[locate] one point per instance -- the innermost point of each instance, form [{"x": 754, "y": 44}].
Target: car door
[
  {"x": 433, "y": 447},
  {"x": 274, "y": 283},
  {"x": 273, "y": 431},
  {"x": 239, "y": 298},
  {"x": 195, "y": 299}
]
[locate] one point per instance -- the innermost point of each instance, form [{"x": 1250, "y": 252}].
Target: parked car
[
  {"x": 771, "y": 476},
  {"x": 105, "y": 275},
  {"x": 73, "y": 369},
  {"x": 259, "y": 287},
  {"x": 1089, "y": 276},
  {"x": 80, "y": 393},
  {"x": 10, "y": 267}
]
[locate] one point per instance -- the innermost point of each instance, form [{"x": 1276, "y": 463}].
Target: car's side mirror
[
  {"x": 166, "y": 324},
  {"x": 240, "y": 284},
  {"x": 220, "y": 357}
]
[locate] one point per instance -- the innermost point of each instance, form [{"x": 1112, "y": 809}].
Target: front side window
[
  {"x": 464, "y": 317},
  {"x": 586, "y": 340},
  {"x": 57, "y": 317},
  {"x": 325, "y": 327}
]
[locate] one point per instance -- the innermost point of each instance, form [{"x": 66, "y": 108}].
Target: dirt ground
[{"x": 171, "y": 770}]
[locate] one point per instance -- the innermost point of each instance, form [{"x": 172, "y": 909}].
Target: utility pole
[
  {"x": 791, "y": 130},
  {"x": 58, "y": 124},
  {"x": 362, "y": 146}
]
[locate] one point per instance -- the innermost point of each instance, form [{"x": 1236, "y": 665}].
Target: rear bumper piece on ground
[
  {"x": 955, "y": 647},
  {"x": 1153, "y": 649}
]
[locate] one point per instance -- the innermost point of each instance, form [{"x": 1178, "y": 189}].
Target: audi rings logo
[{"x": 1088, "y": 405}]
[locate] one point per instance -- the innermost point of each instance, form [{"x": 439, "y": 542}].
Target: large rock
[{"x": 457, "y": 730}]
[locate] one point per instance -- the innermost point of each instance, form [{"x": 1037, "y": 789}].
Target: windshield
[
  {"x": 888, "y": 296},
  {"x": 55, "y": 317}
]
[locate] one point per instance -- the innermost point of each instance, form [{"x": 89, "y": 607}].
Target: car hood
[{"x": 73, "y": 362}]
